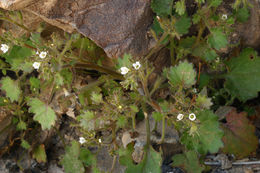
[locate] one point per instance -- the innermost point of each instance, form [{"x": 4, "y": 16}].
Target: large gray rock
[
  {"x": 249, "y": 31},
  {"x": 117, "y": 26}
]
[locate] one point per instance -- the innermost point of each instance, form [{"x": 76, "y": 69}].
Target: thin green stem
[
  {"x": 14, "y": 22},
  {"x": 133, "y": 122},
  {"x": 163, "y": 130},
  {"x": 67, "y": 46},
  {"x": 158, "y": 44},
  {"x": 172, "y": 46},
  {"x": 201, "y": 30},
  {"x": 147, "y": 124}
]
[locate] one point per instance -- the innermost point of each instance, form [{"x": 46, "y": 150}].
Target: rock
[
  {"x": 249, "y": 31},
  {"x": 53, "y": 168},
  {"x": 5, "y": 125},
  {"x": 14, "y": 4},
  {"x": 224, "y": 161},
  {"x": 104, "y": 161},
  {"x": 116, "y": 26},
  {"x": 171, "y": 135},
  {"x": 169, "y": 146}
]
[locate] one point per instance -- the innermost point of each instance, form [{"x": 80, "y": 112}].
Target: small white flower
[
  {"x": 192, "y": 116},
  {"x": 37, "y": 52},
  {"x": 224, "y": 17},
  {"x": 124, "y": 70},
  {"x": 180, "y": 117},
  {"x": 36, "y": 65},
  {"x": 195, "y": 90},
  {"x": 99, "y": 140},
  {"x": 42, "y": 55},
  {"x": 137, "y": 65},
  {"x": 4, "y": 48},
  {"x": 82, "y": 140}
]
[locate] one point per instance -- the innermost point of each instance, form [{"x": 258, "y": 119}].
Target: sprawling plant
[{"x": 40, "y": 83}]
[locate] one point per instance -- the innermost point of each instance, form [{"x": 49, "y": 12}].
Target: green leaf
[
  {"x": 25, "y": 144},
  {"x": 71, "y": 161},
  {"x": 156, "y": 27},
  {"x": 206, "y": 136},
  {"x": 21, "y": 125},
  {"x": 196, "y": 18},
  {"x": 151, "y": 162},
  {"x": 242, "y": 14},
  {"x": 187, "y": 42},
  {"x": 217, "y": 39},
  {"x": 242, "y": 80},
  {"x": 157, "y": 116},
  {"x": 162, "y": 7},
  {"x": 67, "y": 76},
  {"x": 17, "y": 56},
  {"x": 203, "y": 101},
  {"x": 204, "y": 80},
  {"x": 86, "y": 120},
  {"x": 96, "y": 97},
  {"x": 180, "y": 7},
  {"x": 134, "y": 108},
  {"x": 35, "y": 83},
  {"x": 204, "y": 52},
  {"x": 182, "y": 25},
  {"x": 43, "y": 113},
  {"x": 39, "y": 154},
  {"x": 239, "y": 138},
  {"x": 183, "y": 74},
  {"x": 188, "y": 161},
  {"x": 121, "y": 121},
  {"x": 58, "y": 79},
  {"x": 36, "y": 39},
  {"x": 125, "y": 61},
  {"x": 11, "y": 88},
  {"x": 87, "y": 157},
  {"x": 215, "y": 3}
]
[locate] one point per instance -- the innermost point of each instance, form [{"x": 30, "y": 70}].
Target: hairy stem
[
  {"x": 158, "y": 44},
  {"x": 133, "y": 122},
  {"x": 163, "y": 130},
  {"x": 15, "y": 23}
]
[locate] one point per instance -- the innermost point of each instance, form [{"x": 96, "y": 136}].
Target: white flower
[
  {"x": 224, "y": 17},
  {"x": 4, "y": 48},
  {"x": 42, "y": 55},
  {"x": 124, "y": 70},
  {"x": 137, "y": 65},
  {"x": 82, "y": 140},
  {"x": 99, "y": 140},
  {"x": 180, "y": 117},
  {"x": 37, "y": 52},
  {"x": 192, "y": 117},
  {"x": 36, "y": 65},
  {"x": 195, "y": 90}
]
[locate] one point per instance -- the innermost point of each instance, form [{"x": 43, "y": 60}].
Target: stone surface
[
  {"x": 5, "y": 125},
  {"x": 104, "y": 161},
  {"x": 171, "y": 135},
  {"x": 14, "y": 4},
  {"x": 116, "y": 26},
  {"x": 249, "y": 31}
]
